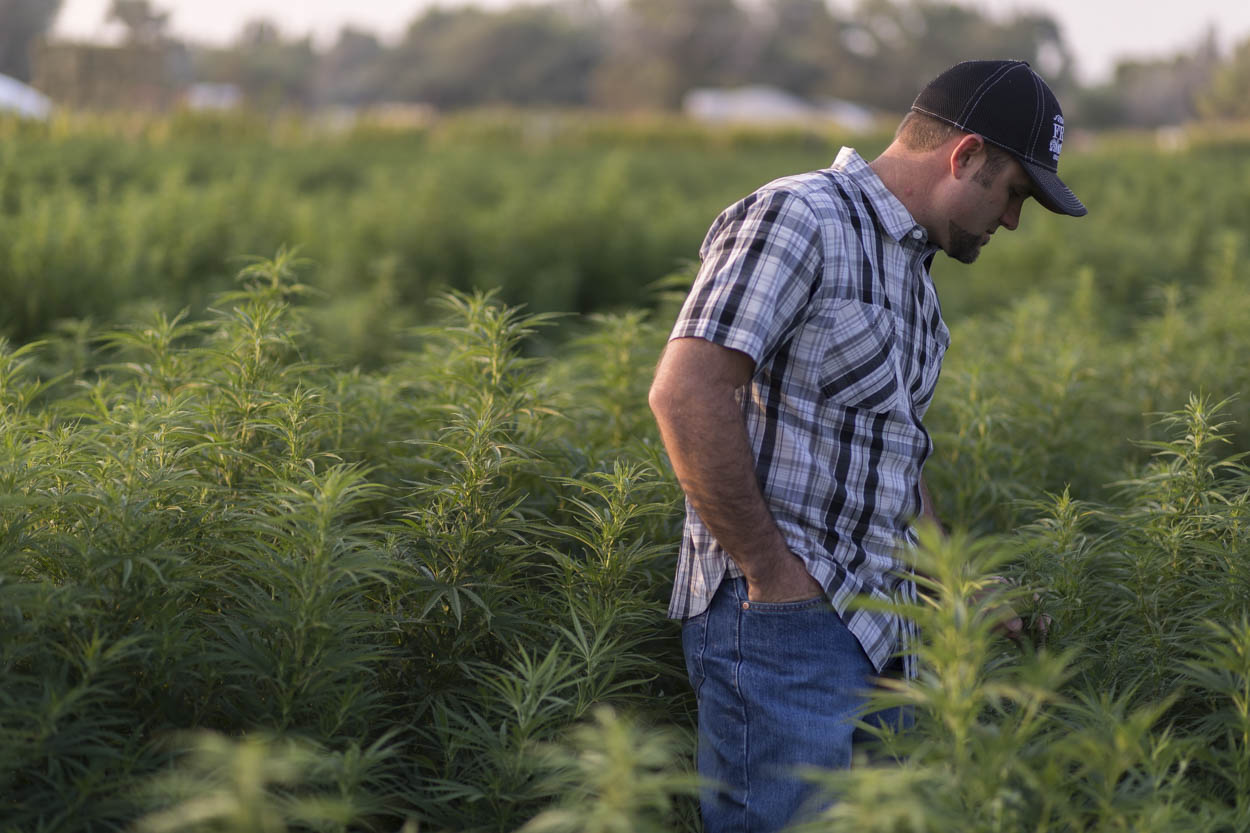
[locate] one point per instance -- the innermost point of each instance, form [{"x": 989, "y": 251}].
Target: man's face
[{"x": 981, "y": 204}]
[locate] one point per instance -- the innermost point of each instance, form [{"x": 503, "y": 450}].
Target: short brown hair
[{"x": 921, "y": 132}]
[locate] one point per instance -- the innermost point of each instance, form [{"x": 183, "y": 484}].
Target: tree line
[
  {"x": 637, "y": 54},
  {"x": 647, "y": 54}
]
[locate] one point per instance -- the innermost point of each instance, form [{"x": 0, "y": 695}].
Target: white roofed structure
[
  {"x": 761, "y": 104},
  {"x": 756, "y": 104},
  {"x": 23, "y": 99}
]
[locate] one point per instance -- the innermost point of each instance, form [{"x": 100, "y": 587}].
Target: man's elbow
[
  {"x": 694, "y": 378},
  {"x": 663, "y": 399}
]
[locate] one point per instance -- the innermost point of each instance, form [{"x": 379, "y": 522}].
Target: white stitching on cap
[
  {"x": 1041, "y": 110},
  {"x": 985, "y": 87},
  {"x": 939, "y": 118}
]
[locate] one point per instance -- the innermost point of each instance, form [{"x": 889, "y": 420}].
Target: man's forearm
[
  {"x": 694, "y": 402},
  {"x": 712, "y": 458}
]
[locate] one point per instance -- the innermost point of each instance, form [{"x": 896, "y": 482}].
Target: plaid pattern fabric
[{"x": 822, "y": 278}]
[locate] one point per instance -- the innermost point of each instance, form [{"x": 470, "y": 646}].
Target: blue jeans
[{"x": 778, "y": 687}]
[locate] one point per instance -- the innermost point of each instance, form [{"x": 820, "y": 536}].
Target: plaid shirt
[{"x": 823, "y": 280}]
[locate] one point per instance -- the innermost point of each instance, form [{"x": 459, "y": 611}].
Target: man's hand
[
  {"x": 1010, "y": 624},
  {"x": 785, "y": 580}
]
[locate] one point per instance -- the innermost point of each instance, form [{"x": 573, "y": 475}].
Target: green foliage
[
  {"x": 245, "y": 585},
  {"x": 557, "y": 212},
  {"x": 1226, "y": 96},
  {"x": 553, "y": 212},
  {"x": 406, "y": 576},
  {"x": 614, "y": 778},
  {"x": 1015, "y": 738},
  {"x": 261, "y": 785}
]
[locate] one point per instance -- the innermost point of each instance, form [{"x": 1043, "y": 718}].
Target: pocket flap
[{"x": 859, "y": 368}]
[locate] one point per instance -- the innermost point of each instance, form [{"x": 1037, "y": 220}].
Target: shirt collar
[{"x": 893, "y": 217}]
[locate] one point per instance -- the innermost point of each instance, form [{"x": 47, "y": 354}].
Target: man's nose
[{"x": 1011, "y": 217}]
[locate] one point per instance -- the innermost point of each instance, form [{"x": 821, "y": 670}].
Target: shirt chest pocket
[
  {"x": 936, "y": 342},
  {"x": 859, "y": 359}
]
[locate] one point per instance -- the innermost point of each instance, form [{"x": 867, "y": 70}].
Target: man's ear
[{"x": 966, "y": 155}]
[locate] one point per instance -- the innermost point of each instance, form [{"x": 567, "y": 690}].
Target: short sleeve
[{"x": 762, "y": 261}]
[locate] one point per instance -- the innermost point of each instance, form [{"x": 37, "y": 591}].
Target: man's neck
[{"x": 910, "y": 177}]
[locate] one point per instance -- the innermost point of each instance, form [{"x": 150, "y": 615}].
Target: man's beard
[{"x": 964, "y": 246}]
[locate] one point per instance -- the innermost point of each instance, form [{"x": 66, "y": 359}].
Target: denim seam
[
  {"x": 746, "y": 717},
  {"x": 702, "y": 652}
]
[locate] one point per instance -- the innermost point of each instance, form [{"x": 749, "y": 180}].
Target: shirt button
[
  {"x": 917, "y": 234},
  {"x": 746, "y": 605}
]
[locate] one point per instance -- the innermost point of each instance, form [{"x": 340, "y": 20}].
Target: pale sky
[{"x": 1097, "y": 31}]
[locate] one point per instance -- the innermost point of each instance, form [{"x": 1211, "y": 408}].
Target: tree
[
  {"x": 272, "y": 72},
  {"x": 1228, "y": 95},
  {"x": 353, "y": 71},
  {"x": 903, "y": 45},
  {"x": 22, "y": 22},
  {"x": 526, "y": 56},
  {"x": 660, "y": 49},
  {"x": 145, "y": 25},
  {"x": 1154, "y": 92},
  {"x": 879, "y": 54},
  {"x": 801, "y": 47},
  {"x": 258, "y": 33}
]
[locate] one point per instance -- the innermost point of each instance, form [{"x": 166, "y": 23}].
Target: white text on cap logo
[{"x": 1056, "y": 142}]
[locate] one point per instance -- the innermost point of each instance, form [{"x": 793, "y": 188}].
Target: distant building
[
  {"x": 770, "y": 105},
  {"x": 745, "y": 104},
  {"x": 204, "y": 96},
  {"x": 23, "y": 99},
  {"x": 96, "y": 77},
  {"x": 848, "y": 114}
]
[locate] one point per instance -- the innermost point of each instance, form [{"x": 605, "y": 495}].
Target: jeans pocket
[{"x": 694, "y": 644}]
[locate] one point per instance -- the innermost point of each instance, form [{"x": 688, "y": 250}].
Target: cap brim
[{"x": 1051, "y": 193}]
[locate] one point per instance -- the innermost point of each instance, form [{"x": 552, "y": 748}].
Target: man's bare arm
[
  {"x": 927, "y": 511},
  {"x": 702, "y": 428}
]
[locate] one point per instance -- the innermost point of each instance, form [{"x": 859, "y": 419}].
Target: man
[{"x": 790, "y": 399}]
